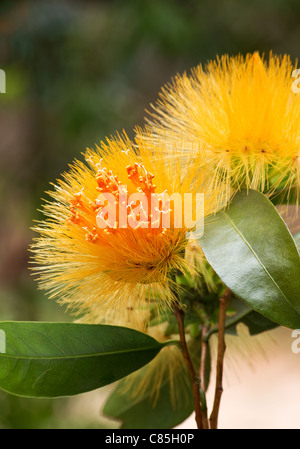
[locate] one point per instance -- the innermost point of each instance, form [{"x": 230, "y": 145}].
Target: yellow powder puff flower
[
  {"x": 243, "y": 113},
  {"x": 105, "y": 240}
]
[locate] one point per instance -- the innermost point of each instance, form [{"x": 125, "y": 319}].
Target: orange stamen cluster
[
  {"x": 107, "y": 182},
  {"x": 143, "y": 182},
  {"x": 84, "y": 212}
]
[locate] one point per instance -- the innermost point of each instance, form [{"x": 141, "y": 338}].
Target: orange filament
[
  {"x": 84, "y": 212},
  {"x": 143, "y": 182}
]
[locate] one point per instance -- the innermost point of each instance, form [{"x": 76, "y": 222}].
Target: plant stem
[
  {"x": 203, "y": 358},
  {"x": 213, "y": 420},
  {"x": 203, "y": 385},
  {"x": 200, "y": 419}
]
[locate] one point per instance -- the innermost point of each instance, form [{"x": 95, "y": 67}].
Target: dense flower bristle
[
  {"x": 243, "y": 113},
  {"x": 83, "y": 263}
]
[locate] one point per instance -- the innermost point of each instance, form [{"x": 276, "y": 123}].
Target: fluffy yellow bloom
[
  {"x": 93, "y": 251},
  {"x": 244, "y": 113}
]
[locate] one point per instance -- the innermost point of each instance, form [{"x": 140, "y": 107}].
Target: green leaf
[
  {"x": 239, "y": 312},
  {"x": 253, "y": 252},
  {"x": 62, "y": 359},
  {"x": 255, "y": 322},
  {"x": 297, "y": 240},
  {"x": 141, "y": 411}
]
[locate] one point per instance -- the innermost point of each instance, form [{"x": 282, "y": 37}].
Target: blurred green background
[{"x": 77, "y": 71}]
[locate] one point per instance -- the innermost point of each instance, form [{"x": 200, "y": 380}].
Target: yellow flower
[
  {"x": 95, "y": 251},
  {"x": 243, "y": 113}
]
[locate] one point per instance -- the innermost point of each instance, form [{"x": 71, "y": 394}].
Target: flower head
[
  {"x": 244, "y": 113},
  {"x": 110, "y": 236}
]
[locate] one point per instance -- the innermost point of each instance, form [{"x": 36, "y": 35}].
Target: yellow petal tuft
[
  {"x": 243, "y": 113},
  {"x": 83, "y": 264}
]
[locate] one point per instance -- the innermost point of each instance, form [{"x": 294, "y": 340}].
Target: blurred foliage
[{"x": 77, "y": 71}]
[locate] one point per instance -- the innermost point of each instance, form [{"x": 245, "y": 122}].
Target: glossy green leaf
[
  {"x": 253, "y": 252},
  {"x": 255, "y": 322},
  {"x": 62, "y": 359},
  {"x": 239, "y": 312},
  {"x": 297, "y": 240},
  {"x": 145, "y": 411}
]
